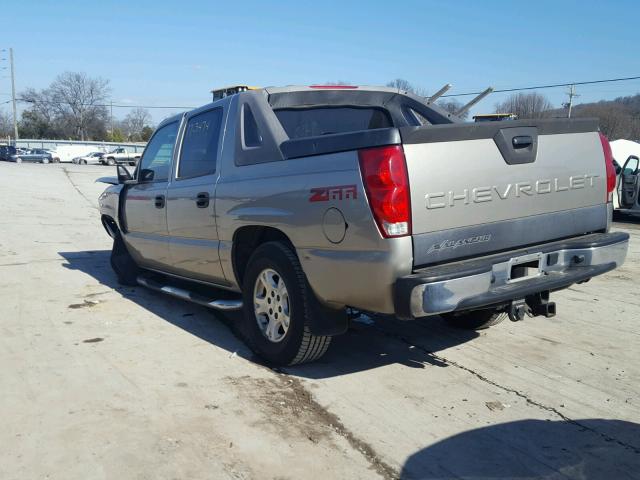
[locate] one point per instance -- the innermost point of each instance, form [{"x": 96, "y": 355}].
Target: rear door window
[
  {"x": 200, "y": 144},
  {"x": 312, "y": 122}
]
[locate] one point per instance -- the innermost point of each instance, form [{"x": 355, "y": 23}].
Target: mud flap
[{"x": 325, "y": 320}]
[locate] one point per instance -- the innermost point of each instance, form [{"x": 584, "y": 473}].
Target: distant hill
[{"x": 619, "y": 118}]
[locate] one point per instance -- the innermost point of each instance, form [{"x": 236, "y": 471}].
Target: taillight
[
  {"x": 611, "y": 170},
  {"x": 384, "y": 174}
]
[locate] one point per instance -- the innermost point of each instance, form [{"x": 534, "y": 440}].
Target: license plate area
[{"x": 525, "y": 267}]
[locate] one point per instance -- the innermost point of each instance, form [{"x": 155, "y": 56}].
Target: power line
[
  {"x": 503, "y": 90},
  {"x": 540, "y": 87}
]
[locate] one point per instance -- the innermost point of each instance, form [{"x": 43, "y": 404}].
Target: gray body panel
[
  {"x": 463, "y": 242},
  {"x": 277, "y": 195},
  {"x": 146, "y": 225},
  {"x": 344, "y": 256},
  {"x": 193, "y": 243}
]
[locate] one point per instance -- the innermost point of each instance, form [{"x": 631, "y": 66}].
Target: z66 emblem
[{"x": 339, "y": 192}]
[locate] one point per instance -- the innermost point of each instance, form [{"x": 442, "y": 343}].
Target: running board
[{"x": 183, "y": 294}]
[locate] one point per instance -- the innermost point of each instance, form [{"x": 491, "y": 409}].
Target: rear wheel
[
  {"x": 277, "y": 308},
  {"x": 122, "y": 263},
  {"x": 18, "y": 160},
  {"x": 474, "y": 320}
]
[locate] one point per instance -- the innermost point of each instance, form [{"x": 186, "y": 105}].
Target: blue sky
[{"x": 173, "y": 53}]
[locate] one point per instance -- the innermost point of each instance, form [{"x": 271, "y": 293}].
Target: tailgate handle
[
  {"x": 522, "y": 141},
  {"x": 517, "y": 145}
]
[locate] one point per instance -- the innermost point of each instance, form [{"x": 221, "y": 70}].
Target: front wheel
[
  {"x": 474, "y": 320},
  {"x": 18, "y": 160},
  {"x": 111, "y": 161},
  {"x": 45, "y": 160},
  {"x": 277, "y": 309}
]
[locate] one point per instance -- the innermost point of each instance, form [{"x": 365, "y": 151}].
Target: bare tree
[
  {"x": 616, "y": 119},
  {"x": 452, "y": 106},
  {"x": 338, "y": 82},
  {"x": 402, "y": 84},
  {"x": 134, "y": 123},
  {"x": 526, "y": 105},
  {"x": 6, "y": 124},
  {"x": 79, "y": 100}
]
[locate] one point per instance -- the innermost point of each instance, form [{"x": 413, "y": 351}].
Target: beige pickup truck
[{"x": 297, "y": 205}]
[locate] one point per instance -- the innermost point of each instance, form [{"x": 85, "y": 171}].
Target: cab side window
[
  {"x": 157, "y": 157},
  {"x": 200, "y": 144}
]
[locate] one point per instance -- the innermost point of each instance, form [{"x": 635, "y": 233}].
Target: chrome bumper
[{"x": 487, "y": 281}]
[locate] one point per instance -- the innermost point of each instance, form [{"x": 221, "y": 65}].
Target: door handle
[
  {"x": 159, "y": 201},
  {"x": 202, "y": 200},
  {"x": 522, "y": 141}
]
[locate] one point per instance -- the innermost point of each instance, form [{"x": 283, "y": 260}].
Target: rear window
[{"x": 312, "y": 122}]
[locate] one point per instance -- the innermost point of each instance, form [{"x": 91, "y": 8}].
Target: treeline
[
  {"x": 619, "y": 118},
  {"x": 74, "y": 107}
]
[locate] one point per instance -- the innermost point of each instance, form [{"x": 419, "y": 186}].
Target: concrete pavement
[{"x": 101, "y": 381}]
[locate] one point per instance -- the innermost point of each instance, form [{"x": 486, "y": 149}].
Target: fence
[{"x": 54, "y": 144}]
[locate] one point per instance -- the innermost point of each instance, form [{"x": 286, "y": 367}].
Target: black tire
[
  {"x": 474, "y": 320},
  {"x": 123, "y": 264},
  {"x": 298, "y": 345},
  {"x": 111, "y": 161}
]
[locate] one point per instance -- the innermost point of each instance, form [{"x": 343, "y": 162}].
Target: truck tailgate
[{"x": 478, "y": 188}]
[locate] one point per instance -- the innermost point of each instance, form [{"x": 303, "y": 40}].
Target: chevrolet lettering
[{"x": 519, "y": 189}]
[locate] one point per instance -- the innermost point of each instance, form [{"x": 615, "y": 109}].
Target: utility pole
[
  {"x": 111, "y": 104},
  {"x": 13, "y": 96},
  {"x": 572, "y": 93}
]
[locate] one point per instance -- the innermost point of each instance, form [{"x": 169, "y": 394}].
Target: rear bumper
[{"x": 486, "y": 281}]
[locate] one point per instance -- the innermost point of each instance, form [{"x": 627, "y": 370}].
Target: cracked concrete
[{"x": 101, "y": 381}]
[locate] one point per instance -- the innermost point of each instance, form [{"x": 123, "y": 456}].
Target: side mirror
[
  {"x": 618, "y": 169},
  {"x": 146, "y": 175},
  {"x": 123, "y": 174}
]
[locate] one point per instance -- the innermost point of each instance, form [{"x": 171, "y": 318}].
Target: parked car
[
  {"x": 6, "y": 151},
  {"x": 93, "y": 158},
  {"x": 299, "y": 204},
  {"x": 55, "y": 157},
  {"x": 121, "y": 156},
  {"x": 37, "y": 155}
]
